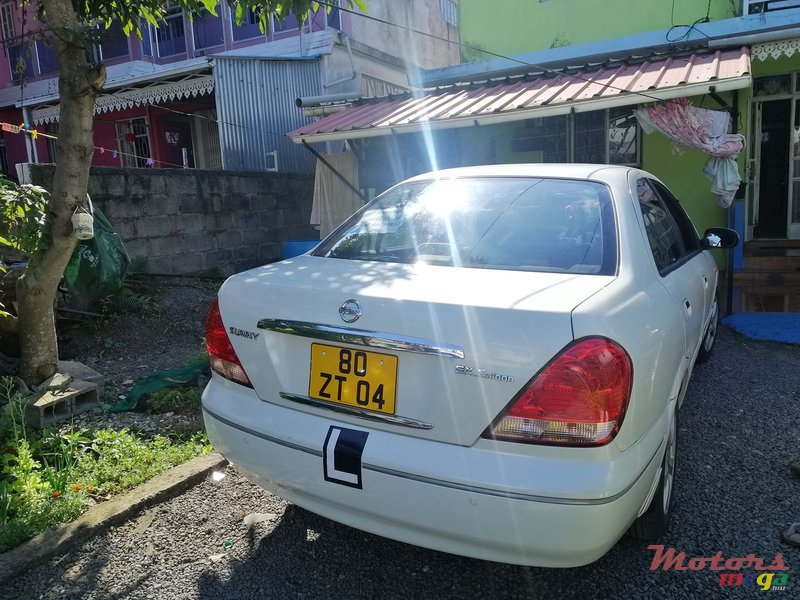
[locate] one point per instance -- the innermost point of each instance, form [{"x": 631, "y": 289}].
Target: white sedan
[{"x": 485, "y": 361}]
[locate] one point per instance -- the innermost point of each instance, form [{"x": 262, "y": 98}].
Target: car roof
[{"x": 560, "y": 170}]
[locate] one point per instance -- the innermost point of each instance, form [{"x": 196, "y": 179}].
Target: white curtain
[{"x": 333, "y": 200}]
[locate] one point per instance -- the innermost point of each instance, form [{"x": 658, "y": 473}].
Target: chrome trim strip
[
  {"x": 362, "y": 337},
  {"x": 441, "y": 483},
  {"x": 358, "y": 412},
  {"x": 263, "y": 436},
  {"x": 505, "y": 494}
]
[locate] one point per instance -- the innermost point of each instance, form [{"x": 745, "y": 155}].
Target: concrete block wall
[{"x": 192, "y": 222}]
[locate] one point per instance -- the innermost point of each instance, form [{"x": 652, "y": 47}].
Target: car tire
[
  {"x": 710, "y": 337},
  {"x": 652, "y": 525}
]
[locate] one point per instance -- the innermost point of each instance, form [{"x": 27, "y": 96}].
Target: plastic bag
[{"x": 98, "y": 266}]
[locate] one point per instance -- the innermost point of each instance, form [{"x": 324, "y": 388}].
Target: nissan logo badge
[{"x": 350, "y": 311}]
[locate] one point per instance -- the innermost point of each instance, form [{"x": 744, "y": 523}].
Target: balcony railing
[{"x": 750, "y": 7}]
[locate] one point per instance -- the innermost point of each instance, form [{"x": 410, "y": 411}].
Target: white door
[
  {"x": 793, "y": 212},
  {"x": 754, "y": 172}
]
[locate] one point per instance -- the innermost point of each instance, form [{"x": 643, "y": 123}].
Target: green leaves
[
  {"x": 52, "y": 479},
  {"x": 22, "y": 215},
  {"x": 132, "y": 14}
]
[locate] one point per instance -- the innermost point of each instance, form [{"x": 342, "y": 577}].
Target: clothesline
[{"x": 34, "y": 133}]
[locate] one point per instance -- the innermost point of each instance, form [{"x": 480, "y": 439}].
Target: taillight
[
  {"x": 579, "y": 399},
  {"x": 221, "y": 354}
]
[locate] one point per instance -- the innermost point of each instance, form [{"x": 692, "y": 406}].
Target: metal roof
[
  {"x": 531, "y": 96},
  {"x": 713, "y": 34},
  {"x": 45, "y": 91}
]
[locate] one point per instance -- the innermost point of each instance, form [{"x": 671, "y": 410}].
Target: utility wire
[
  {"x": 539, "y": 67},
  {"x": 35, "y": 134}
]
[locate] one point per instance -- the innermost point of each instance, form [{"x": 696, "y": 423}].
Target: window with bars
[
  {"x": 605, "y": 136},
  {"x": 133, "y": 141},
  {"x": 51, "y": 129}
]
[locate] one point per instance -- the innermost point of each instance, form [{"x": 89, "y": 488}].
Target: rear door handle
[{"x": 688, "y": 306}]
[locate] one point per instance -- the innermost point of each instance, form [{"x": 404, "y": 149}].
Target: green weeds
[{"x": 51, "y": 477}]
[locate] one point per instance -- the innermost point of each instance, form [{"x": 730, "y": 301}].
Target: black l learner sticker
[{"x": 342, "y": 456}]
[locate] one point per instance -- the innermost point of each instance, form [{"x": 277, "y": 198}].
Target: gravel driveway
[{"x": 739, "y": 431}]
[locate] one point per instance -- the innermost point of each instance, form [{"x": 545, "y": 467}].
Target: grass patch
[{"x": 51, "y": 477}]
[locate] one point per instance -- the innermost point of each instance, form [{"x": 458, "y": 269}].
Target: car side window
[
  {"x": 665, "y": 240},
  {"x": 691, "y": 241}
]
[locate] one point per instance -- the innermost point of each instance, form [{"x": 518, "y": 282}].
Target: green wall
[
  {"x": 518, "y": 26},
  {"x": 775, "y": 66},
  {"x": 682, "y": 172}
]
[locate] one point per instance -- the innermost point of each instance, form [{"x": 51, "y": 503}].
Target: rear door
[
  {"x": 675, "y": 251},
  {"x": 702, "y": 261}
]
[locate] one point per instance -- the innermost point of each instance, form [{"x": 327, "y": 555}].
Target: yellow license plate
[{"x": 356, "y": 378}]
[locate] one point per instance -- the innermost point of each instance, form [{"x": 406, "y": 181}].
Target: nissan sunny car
[{"x": 486, "y": 361}]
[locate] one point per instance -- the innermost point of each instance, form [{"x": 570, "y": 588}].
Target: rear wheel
[
  {"x": 711, "y": 334},
  {"x": 653, "y": 523}
]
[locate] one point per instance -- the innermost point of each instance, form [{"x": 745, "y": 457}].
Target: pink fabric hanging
[{"x": 689, "y": 127}]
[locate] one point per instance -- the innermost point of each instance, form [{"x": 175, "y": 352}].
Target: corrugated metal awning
[{"x": 542, "y": 95}]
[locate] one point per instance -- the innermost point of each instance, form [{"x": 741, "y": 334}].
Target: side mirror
[{"x": 719, "y": 237}]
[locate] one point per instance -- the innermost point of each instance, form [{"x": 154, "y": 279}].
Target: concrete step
[
  {"x": 775, "y": 245},
  {"x": 768, "y": 277},
  {"x": 55, "y": 406}
]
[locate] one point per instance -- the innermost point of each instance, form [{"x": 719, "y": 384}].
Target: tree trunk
[{"x": 79, "y": 84}]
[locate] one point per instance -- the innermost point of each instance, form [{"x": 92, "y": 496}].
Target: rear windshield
[{"x": 552, "y": 225}]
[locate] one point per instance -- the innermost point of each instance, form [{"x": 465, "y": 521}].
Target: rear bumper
[{"x": 436, "y": 495}]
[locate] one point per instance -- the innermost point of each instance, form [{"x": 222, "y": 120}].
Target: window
[
  {"x": 208, "y": 30},
  {"x": 515, "y": 223},
  {"x": 372, "y": 87},
  {"x": 7, "y": 17},
  {"x": 603, "y": 136},
  {"x": 114, "y": 42},
  {"x": 449, "y": 10},
  {"x": 671, "y": 235},
  {"x": 752, "y": 7},
  {"x": 691, "y": 241},
  {"x": 20, "y": 61},
  {"x": 548, "y": 138},
  {"x": 47, "y": 53},
  {"x": 147, "y": 42},
  {"x": 773, "y": 85},
  {"x": 289, "y": 23},
  {"x": 169, "y": 35},
  {"x": 623, "y": 137},
  {"x": 133, "y": 141},
  {"x": 52, "y": 129},
  {"x": 249, "y": 27},
  {"x": 589, "y": 137},
  {"x": 3, "y": 159},
  {"x": 333, "y": 18}
]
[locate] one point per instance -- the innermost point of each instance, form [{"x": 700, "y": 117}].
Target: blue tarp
[{"x": 769, "y": 326}]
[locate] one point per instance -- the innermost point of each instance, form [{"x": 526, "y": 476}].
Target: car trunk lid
[{"x": 461, "y": 342}]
